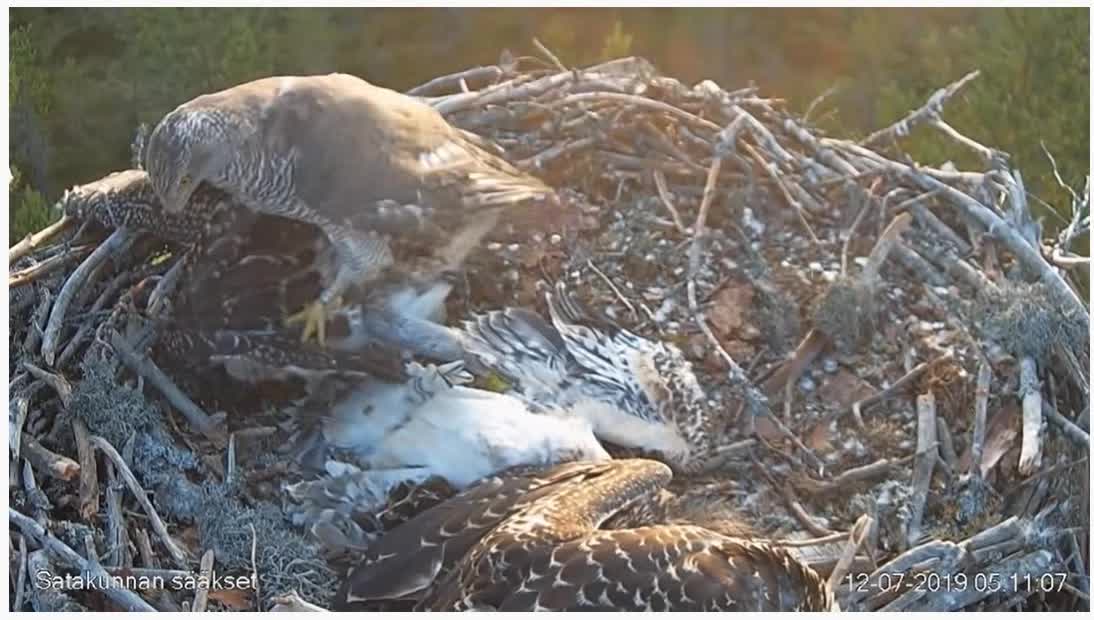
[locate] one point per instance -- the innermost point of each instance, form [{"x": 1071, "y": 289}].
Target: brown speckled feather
[
  {"x": 411, "y": 559},
  {"x": 549, "y": 554}
]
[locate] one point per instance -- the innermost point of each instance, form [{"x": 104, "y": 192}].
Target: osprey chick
[
  {"x": 636, "y": 393},
  {"x": 336, "y": 152},
  {"x": 540, "y": 543}
]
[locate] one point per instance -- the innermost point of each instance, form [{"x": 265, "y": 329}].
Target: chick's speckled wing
[
  {"x": 127, "y": 198},
  {"x": 523, "y": 347},
  {"x": 260, "y": 356}
]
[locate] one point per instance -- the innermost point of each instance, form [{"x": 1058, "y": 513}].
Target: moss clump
[
  {"x": 1023, "y": 318},
  {"x": 285, "y": 561},
  {"x": 846, "y": 313}
]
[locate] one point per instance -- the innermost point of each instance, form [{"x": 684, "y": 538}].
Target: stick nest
[{"x": 713, "y": 219}]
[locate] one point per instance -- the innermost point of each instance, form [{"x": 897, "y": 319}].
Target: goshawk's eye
[{"x": 185, "y": 180}]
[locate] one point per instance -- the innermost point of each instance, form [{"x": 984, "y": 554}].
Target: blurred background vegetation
[{"x": 81, "y": 80}]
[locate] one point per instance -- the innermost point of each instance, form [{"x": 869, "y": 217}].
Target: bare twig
[
  {"x": 638, "y": 101},
  {"x": 549, "y": 54},
  {"x": 35, "y": 240},
  {"x": 863, "y": 209},
  {"x": 166, "y": 286},
  {"x": 930, "y": 110},
  {"x": 59, "y": 384},
  {"x": 945, "y": 445},
  {"x": 115, "y": 520},
  {"x": 176, "y": 552},
  {"x": 791, "y": 370},
  {"x": 448, "y": 82},
  {"x": 663, "y": 194},
  {"x": 986, "y": 154},
  {"x": 1069, "y": 429},
  {"x": 859, "y": 534},
  {"x": 807, "y": 520},
  {"x": 254, "y": 565},
  {"x": 18, "y": 407},
  {"x": 1026, "y": 254},
  {"x": 615, "y": 289},
  {"x": 49, "y": 265},
  {"x": 38, "y": 321},
  {"x": 695, "y": 251},
  {"x": 21, "y": 579},
  {"x": 794, "y": 203},
  {"x": 851, "y": 477},
  {"x": 897, "y": 387},
  {"x": 293, "y": 602}
]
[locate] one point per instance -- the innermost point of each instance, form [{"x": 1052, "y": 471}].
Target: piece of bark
[
  {"x": 89, "y": 473},
  {"x": 926, "y": 455},
  {"x": 48, "y": 462},
  {"x": 1032, "y": 421}
]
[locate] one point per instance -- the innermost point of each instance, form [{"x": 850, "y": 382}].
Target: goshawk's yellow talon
[{"x": 314, "y": 318}]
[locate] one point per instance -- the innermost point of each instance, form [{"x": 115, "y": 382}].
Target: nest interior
[{"x": 901, "y": 371}]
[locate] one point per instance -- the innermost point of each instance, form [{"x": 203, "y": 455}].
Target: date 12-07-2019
[{"x": 988, "y": 583}]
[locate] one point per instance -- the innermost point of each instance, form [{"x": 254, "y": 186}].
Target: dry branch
[
  {"x": 929, "y": 111},
  {"x": 48, "y": 462}
]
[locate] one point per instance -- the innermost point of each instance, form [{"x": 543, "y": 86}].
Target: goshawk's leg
[{"x": 362, "y": 257}]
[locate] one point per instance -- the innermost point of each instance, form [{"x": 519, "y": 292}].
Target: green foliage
[
  {"x": 91, "y": 75},
  {"x": 29, "y": 210},
  {"x": 26, "y": 80},
  {"x": 617, "y": 44},
  {"x": 1033, "y": 87}
]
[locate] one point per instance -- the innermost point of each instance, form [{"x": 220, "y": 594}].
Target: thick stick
[
  {"x": 46, "y": 461},
  {"x": 201, "y": 595},
  {"x": 1032, "y": 421},
  {"x": 926, "y": 454},
  {"x": 980, "y": 419},
  {"x": 1069, "y": 429}
]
